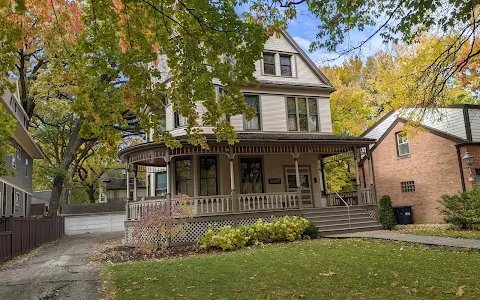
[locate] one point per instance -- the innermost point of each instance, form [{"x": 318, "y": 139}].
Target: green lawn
[
  {"x": 438, "y": 230},
  {"x": 319, "y": 269}
]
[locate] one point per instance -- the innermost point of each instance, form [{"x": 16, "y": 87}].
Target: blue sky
[{"x": 304, "y": 29}]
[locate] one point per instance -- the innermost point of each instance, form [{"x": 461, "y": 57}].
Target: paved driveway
[{"x": 61, "y": 271}]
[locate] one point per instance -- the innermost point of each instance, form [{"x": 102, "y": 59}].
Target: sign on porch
[{"x": 274, "y": 180}]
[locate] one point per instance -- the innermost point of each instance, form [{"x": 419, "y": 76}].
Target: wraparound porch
[{"x": 251, "y": 176}]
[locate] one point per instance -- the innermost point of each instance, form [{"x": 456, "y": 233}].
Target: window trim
[
  {"x": 260, "y": 119},
  {"x": 274, "y": 63},
  {"x": 318, "y": 129},
  {"x": 397, "y": 142},
  {"x": 189, "y": 157},
  {"x": 290, "y": 59},
  {"x": 261, "y": 157},
  {"x": 217, "y": 177}
]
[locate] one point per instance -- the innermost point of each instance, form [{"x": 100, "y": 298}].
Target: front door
[{"x": 305, "y": 183}]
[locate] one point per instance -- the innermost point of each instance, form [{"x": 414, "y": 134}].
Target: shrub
[
  {"x": 311, "y": 231},
  {"x": 230, "y": 238},
  {"x": 387, "y": 218},
  {"x": 462, "y": 210},
  {"x": 156, "y": 226}
]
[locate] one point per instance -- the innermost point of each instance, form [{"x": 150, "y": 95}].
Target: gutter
[{"x": 462, "y": 177}]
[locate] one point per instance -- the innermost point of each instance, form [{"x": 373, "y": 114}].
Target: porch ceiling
[{"x": 156, "y": 154}]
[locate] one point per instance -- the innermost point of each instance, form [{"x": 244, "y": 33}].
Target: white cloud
[{"x": 304, "y": 43}]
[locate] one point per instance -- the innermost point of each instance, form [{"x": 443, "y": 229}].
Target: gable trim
[{"x": 307, "y": 59}]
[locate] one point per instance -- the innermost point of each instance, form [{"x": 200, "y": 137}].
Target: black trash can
[{"x": 403, "y": 214}]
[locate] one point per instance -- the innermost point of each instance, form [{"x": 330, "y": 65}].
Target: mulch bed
[{"x": 115, "y": 252}]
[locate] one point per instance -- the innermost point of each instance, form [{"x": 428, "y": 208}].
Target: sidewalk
[{"x": 413, "y": 238}]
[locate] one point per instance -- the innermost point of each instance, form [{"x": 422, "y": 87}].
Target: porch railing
[
  {"x": 220, "y": 204},
  {"x": 267, "y": 201},
  {"x": 349, "y": 197},
  {"x": 366, "y": 197}
]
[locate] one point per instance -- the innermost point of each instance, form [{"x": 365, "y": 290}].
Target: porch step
[
  {"x": 335, "y": 220},
  {"x": 342, "y": 219}
]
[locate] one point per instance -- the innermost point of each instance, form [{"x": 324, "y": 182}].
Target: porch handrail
[{"x": 348, "y": 209}]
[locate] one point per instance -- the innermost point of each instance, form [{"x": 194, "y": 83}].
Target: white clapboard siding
[
  {"x": 474, "y": 115},
  {"x": 324, "y": 115},
  {"x": 273, "y": 113},
  {"x": 279, "y": 43},
  {"x": 169, "y": 122},
  {"x": 237, "y": 122}
]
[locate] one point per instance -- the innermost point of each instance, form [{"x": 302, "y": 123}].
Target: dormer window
[
  {"x": 269, "y": 63},
  {"x": 286, "y": 65}
]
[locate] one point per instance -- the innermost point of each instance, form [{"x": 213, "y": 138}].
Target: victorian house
[{"x": 276, "y": 168}]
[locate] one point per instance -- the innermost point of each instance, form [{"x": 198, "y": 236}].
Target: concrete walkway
[
  {"x": 61, "y": 271},
  {"x": 423, "y": 239}
]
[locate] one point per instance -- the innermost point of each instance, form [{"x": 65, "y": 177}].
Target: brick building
[{"x": 417, "y": 168}]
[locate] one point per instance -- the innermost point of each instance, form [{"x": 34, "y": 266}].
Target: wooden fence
[{"x": 20, "y": 235}]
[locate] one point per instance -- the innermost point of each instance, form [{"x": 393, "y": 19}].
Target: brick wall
[
  {"x": 473, "y": 150},
  {"x": 432, "y": 165}
]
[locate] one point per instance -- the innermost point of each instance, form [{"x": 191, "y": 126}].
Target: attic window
[
  {"x": 269, "y": 63},
  {"x": 286, "y": 65}
]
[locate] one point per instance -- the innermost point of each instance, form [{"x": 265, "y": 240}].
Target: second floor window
[
  {"x": 180, "y": 121},
  {"x": 26, "y": 167},
  {"x": 302, "y": 114},
  {"x": 286, "y": 65},
  {"x": 269, "y": 63},
  {"x": 254, "y": 123},
  {"x": 403, "y": 149}
]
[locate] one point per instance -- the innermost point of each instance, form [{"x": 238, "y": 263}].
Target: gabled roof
[
  {"x": 307, "y": 59},
  {"x": 447, "y": 122}
]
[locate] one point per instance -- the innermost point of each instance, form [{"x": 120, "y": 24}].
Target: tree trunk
[
  {"x": 74, "y": 143},
  {"x": 91, "y": 193}
]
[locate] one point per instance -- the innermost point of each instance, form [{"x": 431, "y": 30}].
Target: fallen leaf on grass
[
  {"x": 330, "y": 273},
  {"x": 460, "y": 291}
]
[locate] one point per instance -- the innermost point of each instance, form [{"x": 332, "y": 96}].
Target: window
[
  {"x": 251, "y": 175},
  {"x": 402, "y": 144},
  {"x": 25, "y": 202},
  {"x": 161, "y": 181},
  {"x": 269, "y": 63},
  {"x": 286, "y": 65},
  {"x": 208, "y": 176},
  {"x": 302, "y": 114},
  {"x": 183, "y": 177},
  {"x": 19, "y": 152},
  {"x": 254, "y": 123},
  {"x": 408, "y": 186},
  {"x": 14, "y": 161},
  {"x": 180, "y": 121},
  {"x": 26, "y": 167}
]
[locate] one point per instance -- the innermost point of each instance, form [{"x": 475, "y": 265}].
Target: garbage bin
[{"x": 403, "y": 214}]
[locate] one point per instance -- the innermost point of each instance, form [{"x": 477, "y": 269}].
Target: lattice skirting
[
  {"x": 372, "y": 213},
  {"x": 199, "y": 225}
]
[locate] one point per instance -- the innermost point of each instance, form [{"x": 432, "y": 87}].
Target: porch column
[
  {"x": 195, "y": 174},
  {"x": 127, "y": 210},
  {"x": 147, "y": 183},
  {"x": 297, "y": 176},
  {"x": 128, "y": 180},
  {"x": 372, "y": 175},
  {"x": 168, "y": 195},
  {"x": 231, "y": 157},
  {"x": 135, "y": 169},
  {"x": 356, "y": 154},
  {"x": 323, "y": 181}
]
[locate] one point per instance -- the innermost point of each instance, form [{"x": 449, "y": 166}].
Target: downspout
[{"x": 461, "y": 167}]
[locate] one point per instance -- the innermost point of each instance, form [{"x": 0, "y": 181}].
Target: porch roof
[{"x": 155, "y": 154}]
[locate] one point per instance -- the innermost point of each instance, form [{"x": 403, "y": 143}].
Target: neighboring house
[
  {"x": 276, "y": 168},
  {"x": 40, "y": 202},
  {"x": 154, "y": 184},
  {"x": 418, "y": 169},
  {"x": 16, "y": 189}
]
